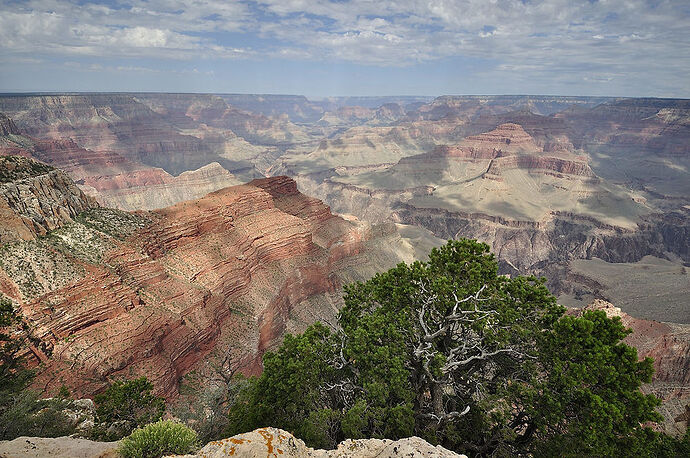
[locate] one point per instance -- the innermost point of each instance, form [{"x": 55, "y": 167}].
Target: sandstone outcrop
[
  {"x": 508, "y": 146},
  {"x": 235, "y": 268},
  {"x": 152, "y": 188},
  {"x": 552, "y": 165},
  {"x": 274, "y": 442},
  {"x": 36, "y": 199},
  {"x": 260, "y": 443}
]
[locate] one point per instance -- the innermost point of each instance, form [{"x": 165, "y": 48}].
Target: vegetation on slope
[
  {"x": 17, "y": 168},
  {"x": 165, "y": 437},
  {"x": 447, "y": 350},
  {"x": 21, "y": 410},
  {"x": 54, "y": 260},
  {"x": 125, "y": 406},
  {"x": 450, "y": 351},
  {"x": 115, "y": 223}
]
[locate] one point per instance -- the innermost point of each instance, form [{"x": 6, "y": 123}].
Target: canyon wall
[
  {"x": 115, "y": 294},
  {"x": 35, "y": 199}
]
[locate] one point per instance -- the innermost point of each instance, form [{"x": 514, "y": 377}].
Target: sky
[{"x": 348, "y": 47}]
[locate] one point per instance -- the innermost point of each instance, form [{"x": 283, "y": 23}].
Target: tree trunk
[{"x": 437, "y": 399}]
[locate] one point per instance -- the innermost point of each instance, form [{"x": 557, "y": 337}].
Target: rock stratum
[
  {"x": 531, "y": 186},
  {"x": 113, "y": 294},
  {"x": 35, "y": 199},
  {"x": 112, "y": 179},
  {"x": 591, "y": 192}
]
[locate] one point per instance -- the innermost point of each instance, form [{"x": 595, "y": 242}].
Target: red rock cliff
[{"x": 228, "y": 267}]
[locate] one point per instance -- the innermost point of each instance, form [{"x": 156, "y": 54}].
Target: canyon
[
  {"x": 545, "y": 180},
  {"x": 591, "y": 192}
]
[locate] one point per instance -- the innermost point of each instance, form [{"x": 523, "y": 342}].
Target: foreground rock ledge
[
  {"x": 59, "y": 447},
  {"x": 274, "y": 443},
  {"x": 260, "y": 443}
]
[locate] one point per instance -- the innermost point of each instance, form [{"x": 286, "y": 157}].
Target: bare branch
[{"x": 445, "y": 418}]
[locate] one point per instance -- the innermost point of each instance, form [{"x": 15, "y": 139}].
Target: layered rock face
[
  {"x": 114, "y": 180},
  {"x": 656, "y": 125},
  {"x": 236, "y": 268},
  {"x": 7, "y": 126},
  {"x": 154, "y": 188},
  {"x": 36, "y": 200},
  {"x": 518, "y": 181},
  {"x": 544, "y": 180},
  {"x": 212, "y": 110},
  {"x": 494, "y": 166},
  {"x": 120, "y": 124}
]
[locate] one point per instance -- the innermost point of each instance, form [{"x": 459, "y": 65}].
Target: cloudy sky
[{"x": 348, "y": 47}]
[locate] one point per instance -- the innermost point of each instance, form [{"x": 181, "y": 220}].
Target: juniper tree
[{"x": 452, "y": 351}]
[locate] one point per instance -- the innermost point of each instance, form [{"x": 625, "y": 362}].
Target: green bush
[
  {"x": 24, "y": 414},
  {"x": 126, "y": 405},
  {"x": 158, "y": 439}
]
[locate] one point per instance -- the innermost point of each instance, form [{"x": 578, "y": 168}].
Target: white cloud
[{"x": 575, "y": 38}]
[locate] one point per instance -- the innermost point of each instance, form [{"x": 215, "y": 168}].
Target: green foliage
[
  {"x": 13, "y": 376},
  {"x": 63, "y": 392},
  {"x": 592, "y": 400},
  {"x": 288, "y": 393},
  {"x": 18, "y": 408},
  {"x": 154, "y": 440},
  {"x": 126, "y": 405},
  {"x": 17, "y": 167},
  {"x": 24, "y": 414},
  {"x": 432, "y": 339},
  {"x": 205, "y": 400},
  {"x": 115, "y": 223},
  {"x": 451, "y": 351}
]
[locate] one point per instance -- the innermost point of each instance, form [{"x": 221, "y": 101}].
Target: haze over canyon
[{"x": 143, "y": 233}]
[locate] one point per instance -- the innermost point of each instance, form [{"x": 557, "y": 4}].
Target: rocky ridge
[
  {"x": 118, "y": 124},
  {"x": 7, "y": 126},
  {"x": 114, "y": 180},
  {"x": 235, "y": 268},
  {"x": 477, "y": 188},
  {"x": 35, "y": 199},
  {"x": 153, "y": 188}
]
